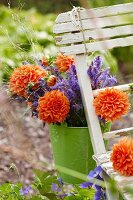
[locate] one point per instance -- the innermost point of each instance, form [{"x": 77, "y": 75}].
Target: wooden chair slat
[
  {"x": 97, "y": 46},
  {"x": 94, "y": 23},
  {"x": 106, "y": 33},
  {"x": 128, "y": 196},
  {"x": 124, "y": 179},
  {"x": 124, "y": 88},
  {"x": 99, "y": 12},
  {"x": 118, "y": 133}
]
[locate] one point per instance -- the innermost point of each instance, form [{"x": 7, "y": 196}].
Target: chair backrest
[{"x": 82, "y": 31}]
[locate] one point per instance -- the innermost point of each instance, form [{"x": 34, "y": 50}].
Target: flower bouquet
[{"x": 51, "y": 89}]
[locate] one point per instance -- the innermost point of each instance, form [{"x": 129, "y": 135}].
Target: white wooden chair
[{"x": 110, "y": 27}]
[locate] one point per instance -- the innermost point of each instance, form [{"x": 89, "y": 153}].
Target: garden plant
[{"x": 51, "y": 89}]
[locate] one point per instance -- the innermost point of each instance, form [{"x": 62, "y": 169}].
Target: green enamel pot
[{"x": 72, "y": 149}]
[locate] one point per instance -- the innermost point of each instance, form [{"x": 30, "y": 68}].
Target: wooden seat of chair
[{"x": 104, "y": 161}]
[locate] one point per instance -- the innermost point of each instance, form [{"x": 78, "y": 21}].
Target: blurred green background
[{"x": 26, "y": 32}]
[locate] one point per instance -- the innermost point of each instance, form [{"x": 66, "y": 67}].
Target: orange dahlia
[
  {"x": 24, "y": 75},
  {"x": 111, "y": 104},
  {"x": 53, "y": 107},
  {"x": 64, "y": 62},
  {"x": 122, "y": 157}
]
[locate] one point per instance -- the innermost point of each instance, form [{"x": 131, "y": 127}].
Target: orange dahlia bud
[
  {"x": 45, "y": 62},
  {"x": 111, "y": 104},
  {"x": 122, "y": 157},
  {"x": 23, "y": 76},
  {"x": 51, "y": 80},
  {"x": 63, "y": 63},
  {"x": 53, "y": 107}
]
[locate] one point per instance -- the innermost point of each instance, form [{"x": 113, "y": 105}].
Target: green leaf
[
  {"x": 39, "y": 198},
  {"x": 10, "y": 191},
  {"x": 36, "y": 198},
  {"x": 131, "y": 88},
  {"x": 41, "y": 174},
  {"x": 51, "y": 196},
  {"x": 46, "y": 185},
  {"x": 73, "y": 198},
  {"x": 87, "y": 193},
  {"x": 106, "y": 127},
  {"x": 43, "y": 181},
  {"x": 39, "y": 179}
]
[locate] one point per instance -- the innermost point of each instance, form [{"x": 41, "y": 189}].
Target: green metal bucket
[{"x": 72, "y": 149}]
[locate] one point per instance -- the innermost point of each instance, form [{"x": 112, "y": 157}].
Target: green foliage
[
  {"x": 42, "y": 189},
  {"x": 131, "y": 88},
  {"x": 43, "y": 182},
  {"x": 10, "y": 191},
  {"x": 54, "y": 6},
  {"x": 26, "y": 35},
  {"x": 99, "y": 3},
  {"x": 23, "y": 35},
  {"x": 82, "y": 194},
  {"x": 44, "y": 6}
]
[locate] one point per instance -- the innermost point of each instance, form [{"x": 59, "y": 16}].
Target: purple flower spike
[
  {"x": 85, "y": 185},
  {"x": 35, "y": 103},
  {"x": 97, "y": 62},
  {"x": 25, "y": 191},
  {"x": 98, "y": 195},
  {"x": 100, "y": 78},
  {"x": 95, "y": 67},
  {"x": 94, "y": 173},
  {"x": 97, "y": 187}
]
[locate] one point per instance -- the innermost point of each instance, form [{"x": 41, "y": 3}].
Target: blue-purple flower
[
  {"x": 25, "y": 191},
  {"x": 58, "y": 188},
  {"x": 99, "y": 191},
  {"x": 55, "y": 187},
  {"x": 97, "y": 172},
  {"x": 86, "y": 185}
]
